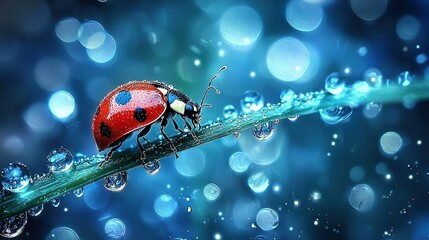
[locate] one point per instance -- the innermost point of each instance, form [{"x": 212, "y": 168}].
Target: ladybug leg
[
  {"x": 190, "y": 129},
  {"x": 110, "y": 153},
  {"x": 163, "y": 125},
  {"x": 141, "y": 134},
  {"x": 177, "y": 126}
]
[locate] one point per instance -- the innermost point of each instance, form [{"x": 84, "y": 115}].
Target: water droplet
[
  {"x": 239, "y": 162},
  {"x": 335, "y": 83},
  {"x": 251, "y": 102},
  {"x": 293, "y": 118},
  {"x": 13, "y": 226},
  {"x": 59, "y": 160},
  {"x": 15, "y": 177},
  {"x": 35, "y": 211},
  {"x": 79, "y": 158},
  {"x": 55, "y": 202},
  {"x": 335, "y": 115},
  {"x": 361, "y": 197},
  {"x": 114, "y": 229},
  {"x": 211, "y": 191},
  {"x": 152, "y": 167},
  {"x": 263, "y": 131},
  {"x": 267, "y": 219},
  {"x": 78, "y": 192},
  {"x": 390, "y": 142},
  {"x": 361, "y": 86},
  {"x": 229, "y": 112},
  {"x": 405, "y": 79},
  {"x": 116, "y": 182},
  {"x": 373, "y": 77},
  {"x": 258, "y": 182},
  {"x": 236, "y": 135},
  {"x": 287, "y": 96},
  {"x": 165, "y": 206}
]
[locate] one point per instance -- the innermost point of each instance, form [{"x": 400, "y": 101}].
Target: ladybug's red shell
[{"x": 125, "y": 109}]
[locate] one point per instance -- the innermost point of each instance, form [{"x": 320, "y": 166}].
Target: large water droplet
[
  {"x": 361, "y": 197},
  {"x": 263, "y": 131},
  {"x": 211, "y": 191},
  {"x": 116, "y": 182},
  {"x": 59, "y": 160},
  {"x": 13, "y": 226},
  {"x": 152, "y": 167},
  {"x": 114, "y": 229},
  {"x": 258, "y": 182},
  {"x": 229, "y": 112},
  {"x": 335, "y": 83},
  {"x": 405, "y": 79},
  {"x": 78, "y": 192},
  {"x": 15, "y": 177},
  {"x": 165, "y": 205},
  {"x": 335, "y": 115},
  {"x": 251, "y": 102},
  {"x": 55, "y": 202},
  {"x": 35, "y": 211},
  {"x": 373, "y": 77},
  {"x": 267, "y": 219},
  {"x": 239, "y": 162}
]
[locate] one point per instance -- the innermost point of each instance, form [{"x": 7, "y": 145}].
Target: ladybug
[{"x": 137, "y": 105}]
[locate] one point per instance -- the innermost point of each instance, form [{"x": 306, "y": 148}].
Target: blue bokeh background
[{"x": 45, "y": 50}]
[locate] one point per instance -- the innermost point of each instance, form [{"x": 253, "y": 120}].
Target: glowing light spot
[
  {"x": 369, "y": 10},
  {"x": 91, "y": 34},
  {"x": 388, "y": 176},
  {"x": 104, "y": 52},
  {"x": 391, "y": 142},
  {"x": 287, "y": 59},
  {"x": 240, "y": 26},
  {"x": 221, "y": 52},
  {"x": 252, "y": 74},
  {"x": 217, "y": 236},
  {"x": 67, "y": 30},
  {"x": 303, "y": 15},
  {"x": 62, "y": 105},
  {"x": 258, "y": 182},
  {"x": 197, "y": 62},
  {"x": 408, "y": 27}
]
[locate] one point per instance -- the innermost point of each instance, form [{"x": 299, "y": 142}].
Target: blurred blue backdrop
[{"x": 363, "y": 178}]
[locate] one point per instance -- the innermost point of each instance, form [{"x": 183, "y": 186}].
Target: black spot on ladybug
[
  {"x": 105, "y": 130},
  {"x": 140, "y": 114},
  {"x": 97, "y": 111},
  {"x": 123, "y": 97}
]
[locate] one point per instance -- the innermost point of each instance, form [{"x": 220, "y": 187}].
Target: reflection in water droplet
[
  {"x": 229, "y": 112},
  {"x": 334, "y": 83},
  {"x": 62, "y": 233},
  {"x": 35, "y": 211},
  {"x": 152, "y": 167},
  {"x": 78, "y": 192},
  {"x": 263, "y": 131},
  {"x": 258, "y": 182},
  {"x": 59, "y": 160},
  {"x": 55, "y": 202},
  {"x": 361, "y": 197},
  {"x": 405, "y": 79},
  {"x": 239, "y": 162},
  {"x": 165, "y": 206},
  {"x": 251, "y": 102},
  {"x": 267, "y": 219},
  {"x": 116, "y": 182},
  {"x": 15, "y": 177},
  {"x": 335, "y": 115},
  {"x": 13, "y": 226},
  {"x": 211, "y": 191},
  {"x": 114, "y": 229}
]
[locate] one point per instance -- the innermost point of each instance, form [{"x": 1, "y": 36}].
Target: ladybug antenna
[{"x": 210, "y": 87}]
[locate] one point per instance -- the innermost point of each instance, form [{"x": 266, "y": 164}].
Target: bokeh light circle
[
  {"x": 67, "y": 30},
  {"x": 390, "y": 142},
  {"x": 165, "y": 205},
  {"x": 239, "y": 162},
  {"x": 362, "y": 197},
  {"x": 63, "y": 233},
  {"x": 38, "y": 118},
  {"x": 407, "y": 27},
  {"x": 91, "y": 34},
  {"x": 62, "y": 104},
  {"x": 114, "y": 229},
  {"x": 288, "y": 59},
  {"x": 191, "y": 162},
  {"x": 240, "y": 26},
  {"x": 369, "y": 10},
  {"x": 51, "y": 73},
  {"x": 105, "y": 52},
  {"x": 267, "y": 219},
  {"x": 304, "y": 16},
  {"x": 211, "y": 191},
  {"x": 96, "y": 197}
]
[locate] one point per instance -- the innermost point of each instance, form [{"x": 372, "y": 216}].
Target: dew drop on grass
[
  {"x": 15, "y": 177},
  {"x": 116, "y": 182}
]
